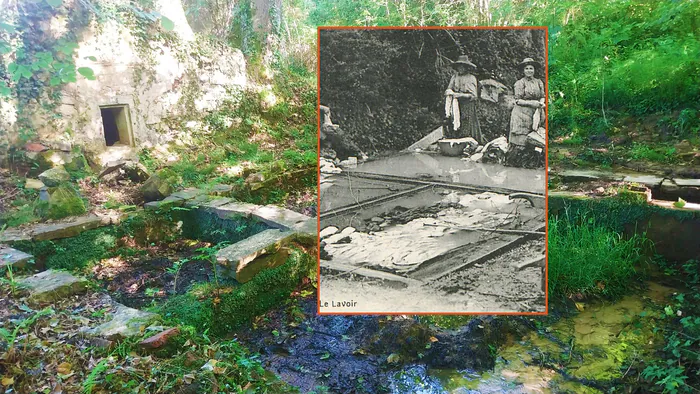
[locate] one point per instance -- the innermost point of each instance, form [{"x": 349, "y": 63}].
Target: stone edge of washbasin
[{"x": 285, "y": 226}]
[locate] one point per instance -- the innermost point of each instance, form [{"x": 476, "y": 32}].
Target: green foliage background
[{"x": 606, "y": 58}]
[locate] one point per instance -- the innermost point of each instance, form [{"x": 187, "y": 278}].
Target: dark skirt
[{"x": 469, "y": 123}]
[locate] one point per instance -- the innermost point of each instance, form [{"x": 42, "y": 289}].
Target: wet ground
[
  {"x": 151, "y": 275},
  {"x": 584, "y": 353},
  {"x": 432, "y": 166},
  {"x": 422, "y": 236},
  {"x": 359, "y": 354}
]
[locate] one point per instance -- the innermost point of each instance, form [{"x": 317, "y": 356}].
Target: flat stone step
[
  {"x": 188, "y": 194},
  {"x": 245, "y": 259},
  {"x": 15, "y": 235},
  {"x": 51, "y": 285},
  {"x": 13, "y": 257},
  {"x": 232, "y": 208},
  {"x": 687, "y": 182},
  {"x": 651, "y": 181},
  {"x": 126, "y": 322},
  {"x": 279, "y": 217},
  {"x": 588, "y": 175},
  {"x": 67, "y": 229}
]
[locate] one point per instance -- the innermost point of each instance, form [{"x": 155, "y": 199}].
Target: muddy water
[
  {"x": 607, "y": 338},
  {"x": 453, "y": 169}
]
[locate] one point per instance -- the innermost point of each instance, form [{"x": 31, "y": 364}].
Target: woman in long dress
[
  {"x": 461, "y": 97},
  {"x": 529, "y": 97}
]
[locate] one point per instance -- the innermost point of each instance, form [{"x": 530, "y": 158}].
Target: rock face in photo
[{"x": 386, "y": 87}]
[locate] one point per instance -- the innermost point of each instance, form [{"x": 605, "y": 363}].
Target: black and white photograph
[{"x": 432, "y": 170}]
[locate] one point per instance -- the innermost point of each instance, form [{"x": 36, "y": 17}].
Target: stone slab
[
  {"x": 649, "y": 180},
  {"x": 33, "y": 184},
  {"x": 308, "y": 227},
  {"x": 13, "y": 257},
  {"x": 687, "y": 182},
  {"x": 279, "y": 217},
  {"x": 221, "y": 190},
  {"x": 584, "y": 176},
  {"x": 126, "y": 322},
  {"x": 235, "y": 208},
  {"x": 51, "y": 285},
  {"x": 428, "y": 140},
  {"x": 217, "y": 202},
  {"x": 245, "y": 259},
  {"x": 167, "y": 202},
  {"x": 188, "y": 194},
  {"x": 14, "y": 235},
  {"x": 45, "y": 232}
]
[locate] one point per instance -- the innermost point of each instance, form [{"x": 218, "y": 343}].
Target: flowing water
[{"x": 578, "y": 354}]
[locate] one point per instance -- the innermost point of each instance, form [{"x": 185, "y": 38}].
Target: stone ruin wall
[{"x": 171, "y": 76}]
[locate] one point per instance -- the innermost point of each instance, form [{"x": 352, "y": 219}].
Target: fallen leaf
[
  {"x": 209, "y": 366},
  {"x": 433, "y": 339},
  {"x": 393, "y": 358},
  {"x": 8, "y": 381},
  {"x": 64, "y": 368},
  {"x": 680, "y": 203},
  {"x": 580, "y": 306}
]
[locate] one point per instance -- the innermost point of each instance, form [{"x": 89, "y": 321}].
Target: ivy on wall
[{"x": 35, "y": 63}]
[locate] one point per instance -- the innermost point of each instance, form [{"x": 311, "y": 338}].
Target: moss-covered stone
[
  {"x": 240, "y": 306},
  {"x": 156, "y": 188},
  {"x": 73, "y": 253},
  {"x": 54, "y": 176},
  {"x": 65, "y": 201},
  {"x": 50, "y": 286},
  {"x": 126, "y": 322}
]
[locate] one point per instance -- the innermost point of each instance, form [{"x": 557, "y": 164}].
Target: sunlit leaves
[
  {"x": 4, "y": 89},
  {"x": 167, "y": 24},
  {"x": 7, "y": 28},
  {"x": 66, "y": 47},
  {"x": 87, "y": 73}
]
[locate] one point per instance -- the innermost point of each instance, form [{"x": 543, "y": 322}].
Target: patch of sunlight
[{"x": 58, "y": 26}]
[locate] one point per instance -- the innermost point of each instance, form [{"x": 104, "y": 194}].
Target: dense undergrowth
[
  {"x": 610, "y": 63},
  {"x": 587, "y": 259},
  {"x": 267, "y": 150},
  {"x": 677, "y": 370}
]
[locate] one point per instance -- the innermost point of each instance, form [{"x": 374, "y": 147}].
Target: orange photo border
[{"x": 318, "y": 169}]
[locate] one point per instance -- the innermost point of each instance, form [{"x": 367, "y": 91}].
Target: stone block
[
  {"x": 279, "y": 217},
  {"x": 13, "y": 257},
  {"x": 51, "y": 286},
  {"x": 245, "y": 259},
  {"x": 54, "y": 176},
  {"x": 234, "y": 209},
  {"x": 126, "y": 322},
  {"x": 188, "y": 194},
  {"x": 45, "y": 232}
]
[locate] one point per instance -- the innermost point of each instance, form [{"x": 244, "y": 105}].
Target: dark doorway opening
[{"x": 116, "y": 125}]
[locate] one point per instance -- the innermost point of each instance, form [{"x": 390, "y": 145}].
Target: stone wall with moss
[
  {"x": 672, "y": 232},
  {"x": 155, "y": 65}
]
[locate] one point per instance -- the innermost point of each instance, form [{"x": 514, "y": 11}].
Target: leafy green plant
[
  {"x": 175, "y": 270},
  {"x": 10, "y": 337},
  {"x": 92, "y": 379},
  {"x": 588, "y": 259}
]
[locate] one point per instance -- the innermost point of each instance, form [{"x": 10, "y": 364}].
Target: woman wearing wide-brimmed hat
[
  {"x": 460, "y": 102},
  {"x": 529, "y": 98}
]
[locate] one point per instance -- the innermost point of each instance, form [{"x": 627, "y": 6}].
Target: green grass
[
  {"x": 656, "y": 154},
  {"x": 238, "y": 307},
  {"x": 590, "y": 259}
]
